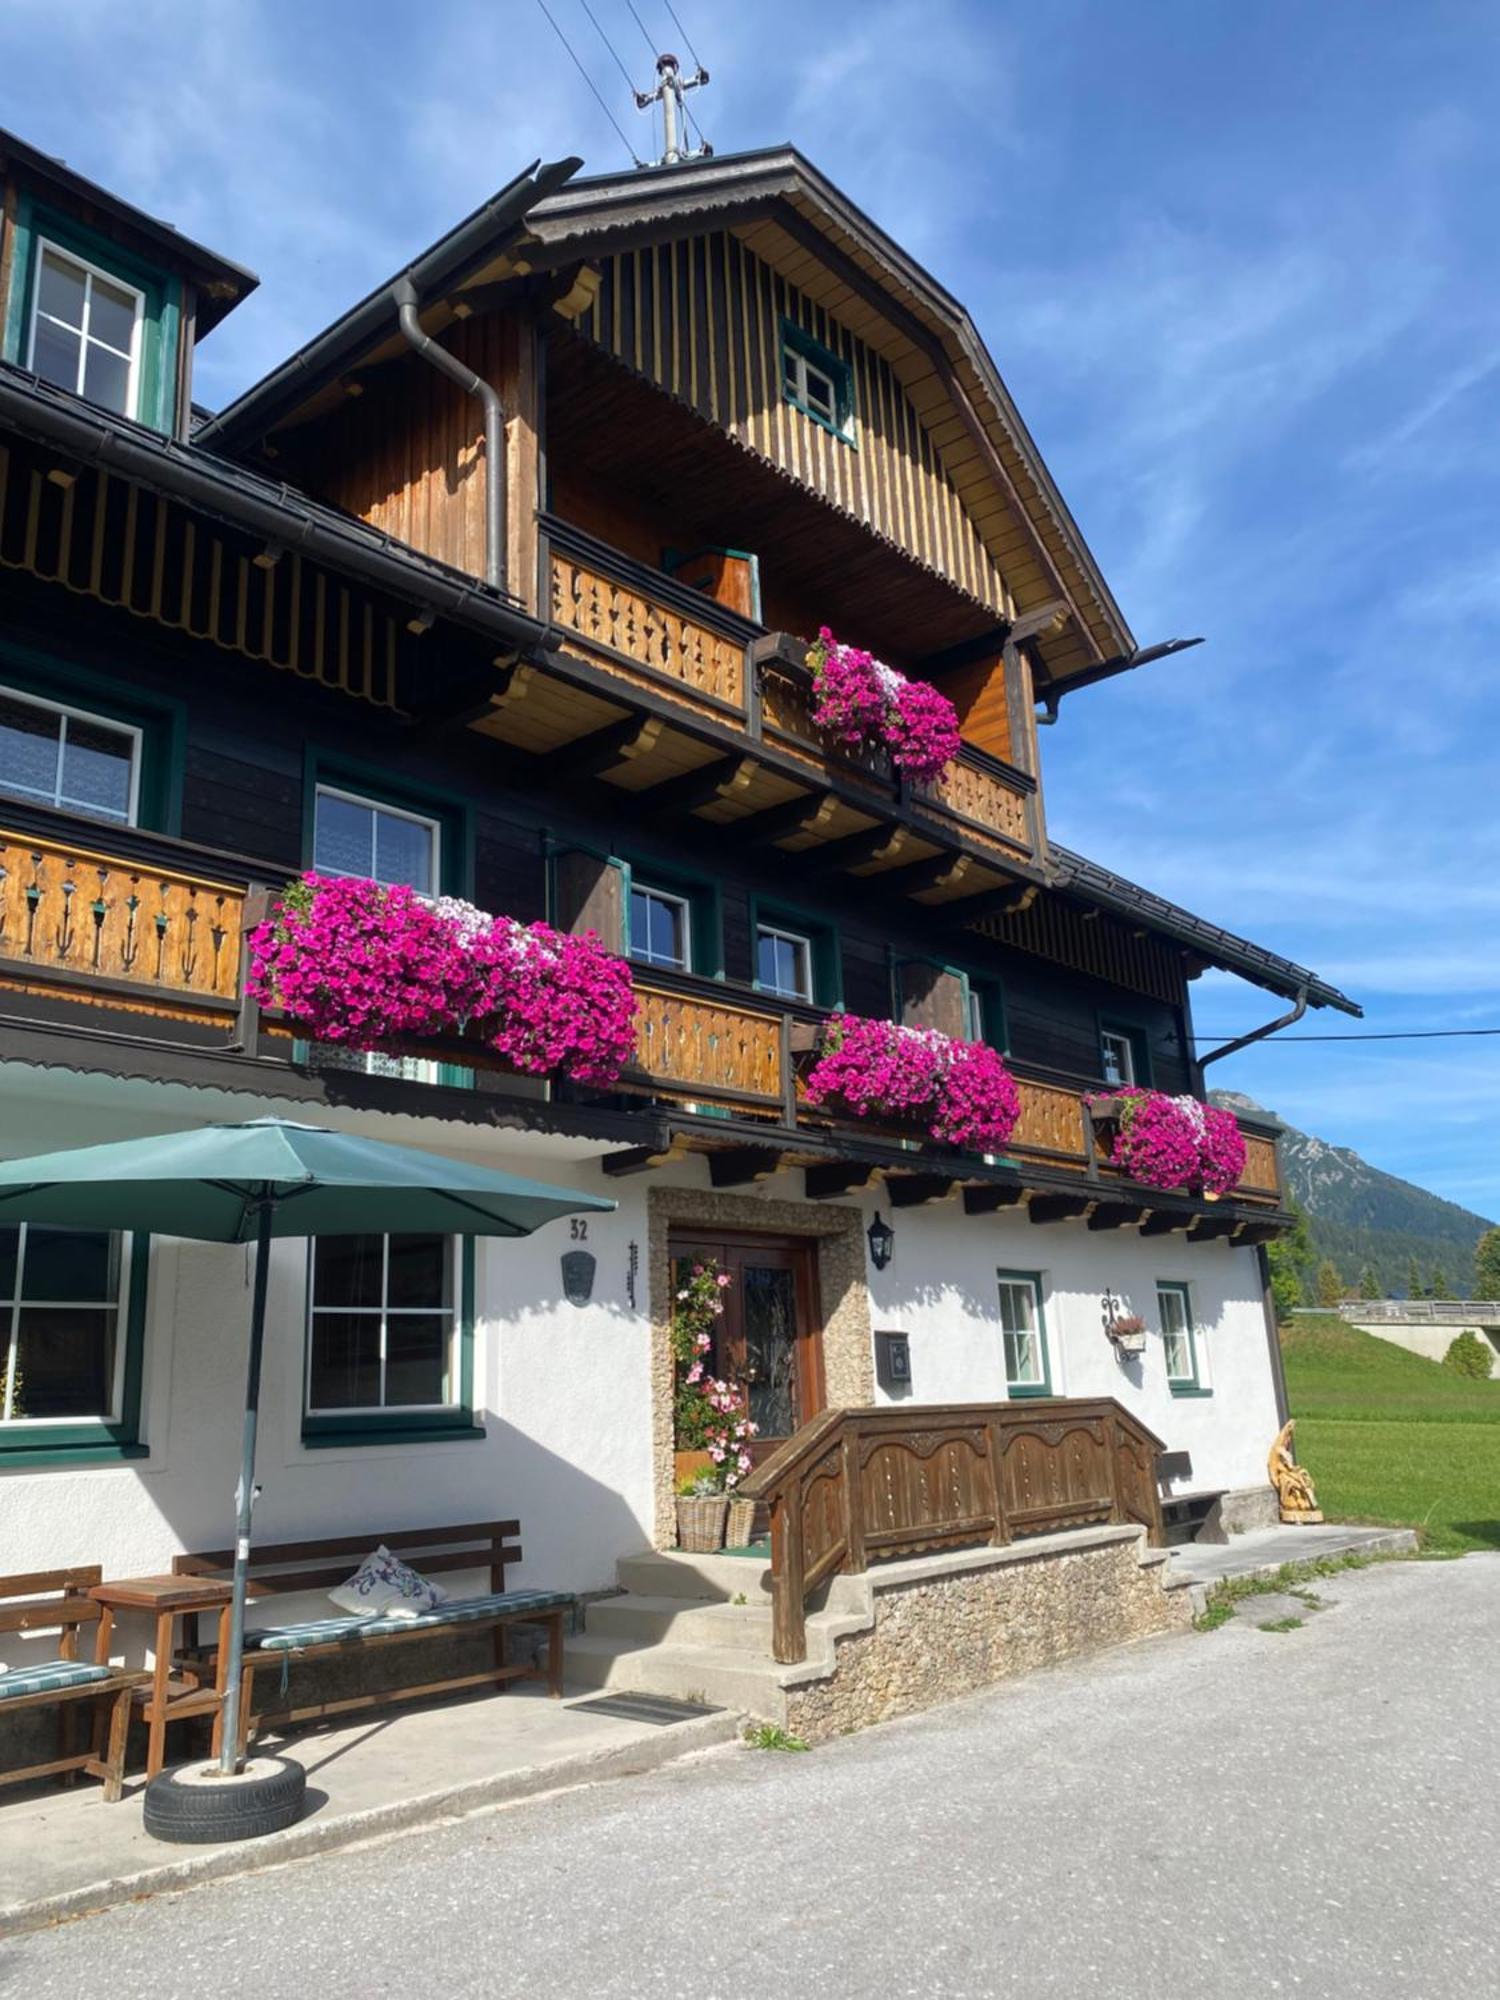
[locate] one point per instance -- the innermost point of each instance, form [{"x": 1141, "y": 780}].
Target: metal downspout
[
  {"x": 1258, "y": 1034},
  {"x": 404, "y": 292}
]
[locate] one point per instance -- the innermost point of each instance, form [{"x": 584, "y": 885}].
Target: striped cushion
[
  {"x": 465, "y": 1611},
  {"x": 51, "y": 1677}
]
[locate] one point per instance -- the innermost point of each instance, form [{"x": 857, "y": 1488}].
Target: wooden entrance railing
[{"x": 854, "y": 1486}]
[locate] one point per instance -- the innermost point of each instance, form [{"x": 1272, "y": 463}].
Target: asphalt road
[{"x": 1232, "y": 1814}]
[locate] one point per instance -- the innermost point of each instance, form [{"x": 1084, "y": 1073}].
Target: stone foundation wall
[{"x": 967, "y": 1626}]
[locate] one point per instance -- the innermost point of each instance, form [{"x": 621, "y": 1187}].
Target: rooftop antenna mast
[{"x": 671, "y": 93}]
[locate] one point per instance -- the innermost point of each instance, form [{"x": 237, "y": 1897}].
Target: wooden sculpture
[{"x": 1294, "y": 1487}]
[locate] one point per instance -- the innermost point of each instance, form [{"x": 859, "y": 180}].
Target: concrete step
[
  {"x": 646, "y": 1621},
  {"x": 712, "y": 1674},
  {"x": 711, "y": 1578}
]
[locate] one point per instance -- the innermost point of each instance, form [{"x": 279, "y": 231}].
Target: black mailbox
[{"x": 893, "y": 1363}]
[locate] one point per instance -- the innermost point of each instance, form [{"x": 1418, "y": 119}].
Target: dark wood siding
[{"x": 702, "y": 317}]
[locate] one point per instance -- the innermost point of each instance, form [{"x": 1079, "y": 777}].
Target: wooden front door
[{"x": 770, "y": 1339}]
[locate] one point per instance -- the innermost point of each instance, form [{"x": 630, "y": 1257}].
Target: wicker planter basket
[
  {"x": 741, "y": 1523},
  {"x": 700, "y": 1522}
]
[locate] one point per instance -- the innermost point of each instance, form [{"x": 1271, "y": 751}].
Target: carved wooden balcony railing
[
  {"x": 89, "y": 920},
  {"x": 642, "y": 626},
  {"x": 854, "y": 1486},
  {"x": 130, "y": 921}
]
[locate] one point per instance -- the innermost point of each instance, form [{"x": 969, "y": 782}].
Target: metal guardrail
[{"x": 1422, "y": 1312}]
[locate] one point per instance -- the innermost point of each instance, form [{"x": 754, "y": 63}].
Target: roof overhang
[
  {"x": 471, "y": 253},
  {"x": 221, "y": 284},
  {"x": 791, "y": 215}
]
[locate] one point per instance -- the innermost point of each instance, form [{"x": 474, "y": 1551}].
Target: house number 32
[{"x": 578, "y": 1229}]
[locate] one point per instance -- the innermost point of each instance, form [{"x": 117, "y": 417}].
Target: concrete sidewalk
[
  {"x": 1263, "y": 1550},
  {"x": 67, "y": 1853}
]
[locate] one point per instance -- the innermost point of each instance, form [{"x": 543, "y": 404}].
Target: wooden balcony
[
  {"x": 151, "y": 931},
  {"x": 701, "y": 1048},
  {"x": 117, "y": 920},
  {"x": 717, "y": 684}
]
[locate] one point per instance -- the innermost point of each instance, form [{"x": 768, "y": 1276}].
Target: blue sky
[{"x": 1238, "y": 265}]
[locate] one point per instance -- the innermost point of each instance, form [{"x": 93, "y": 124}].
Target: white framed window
[
  {"x": 68, "y": 758},
  {"x": 783, "y": 963},
  {"x": 1117, "y": 1056},
  {"x": 660, "y": 928},
  {"x": 816, "y": 381},
  {"x": 1023, "y": 1329},
  {"x": 86, "y": 329},
  {"x": 383, "y": 1324},
  {"x": 1179, "y": 1335},
  {"x": 364, "y": 837},
  {"x": 63, "y": 1302}
]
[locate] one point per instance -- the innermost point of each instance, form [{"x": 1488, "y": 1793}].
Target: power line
[
  {"x": 629, "y": 80},
  {"x": 619, "y": 131},
  {"x": 681, "y": 31},
  {"x": 645, "y": 37},
  {"x": 1403, "y": 1035}
]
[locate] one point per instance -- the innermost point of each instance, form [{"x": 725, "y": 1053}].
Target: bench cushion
[
  {"x": 464, "y": 1611},
  {"x": 51, "y": 1677}
]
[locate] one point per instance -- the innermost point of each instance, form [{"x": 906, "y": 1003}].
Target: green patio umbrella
[{"x": 247, "y": 1183}]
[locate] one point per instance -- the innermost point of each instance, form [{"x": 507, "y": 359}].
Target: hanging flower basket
[
  {"x": 1128, "y": 1334},
  {"x": 367, "y": 966},
  {"x": 1176, "y": 1144},
  {"x": 861, "y": 701},
  {"x": 959, "y": 1094}
]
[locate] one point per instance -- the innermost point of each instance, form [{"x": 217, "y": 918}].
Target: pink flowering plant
[
  {"x": 961, "y": 1091},
  {"x": 860, "y": 700},
  {"x": 710, "y": 1414},
  {"x": 364, "y": 965},
  {"x": 1174, "y": 1142}
]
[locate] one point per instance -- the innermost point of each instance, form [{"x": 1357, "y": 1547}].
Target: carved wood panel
[
  {"x": 74, "y": 911},
  {"x": 708, "y": 1048},
  {"x": 1261, "y": 1175},
  {"x": 609, "y": 615},
  {"x": 1051, "y": 1120},
  {"x": 979, "y": 796}
]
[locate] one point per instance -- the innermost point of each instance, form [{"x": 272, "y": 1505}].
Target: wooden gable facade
[{"x": 703, "y": 316}]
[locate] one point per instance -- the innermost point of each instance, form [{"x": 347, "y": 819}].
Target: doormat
[{"x": 658, "y": 1709}]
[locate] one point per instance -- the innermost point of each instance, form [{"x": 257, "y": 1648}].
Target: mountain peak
[{"x": 1364, "y": 1218}]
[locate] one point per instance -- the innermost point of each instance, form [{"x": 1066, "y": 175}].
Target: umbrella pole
[{"x": 230, "y": 1761}]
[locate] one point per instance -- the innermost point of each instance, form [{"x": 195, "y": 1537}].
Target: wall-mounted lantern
[{"x": 882, "y": 1242}]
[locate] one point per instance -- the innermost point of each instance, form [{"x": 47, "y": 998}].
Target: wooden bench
[
  {"x": 58, "y": 1599},
  {"x": 299, "y": 1567}
]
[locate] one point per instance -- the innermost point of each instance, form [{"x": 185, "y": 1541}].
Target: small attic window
[
  {"x": 816, "y": 382},
  {"x": 86, "y": 330}
]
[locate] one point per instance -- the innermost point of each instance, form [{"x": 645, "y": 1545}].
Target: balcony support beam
[
  {"x": 1212, "y": 1228},
  {"x": 1115, "y": 1214},
  {"x": 854, "y": 850},
  {"x": 717, "y": 780},
  {"x": 1162, "y": 1222},
  {"x": 831, "y": 1178},
  {"x": 734, "y": 1166},
  {"x": 1253, "y": 1233},
  {"x": 640, "y": 1159},
  {"x": 915, "y": 1190},
  {"x": 938, "y": 871},
  {"x": 600, "y": 750},
  {"x": 992, "y": 1196},
  {"x": 805, "y": 814},
  {"x": 1057, "y": 1207}
]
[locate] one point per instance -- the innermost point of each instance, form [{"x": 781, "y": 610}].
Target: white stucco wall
[
  {"x": 940, "y": 1289},
  {"x": 564, "y": 1393}
]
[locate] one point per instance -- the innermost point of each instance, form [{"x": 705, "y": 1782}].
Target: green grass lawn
[{"x": 1389, "y": 1436}]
